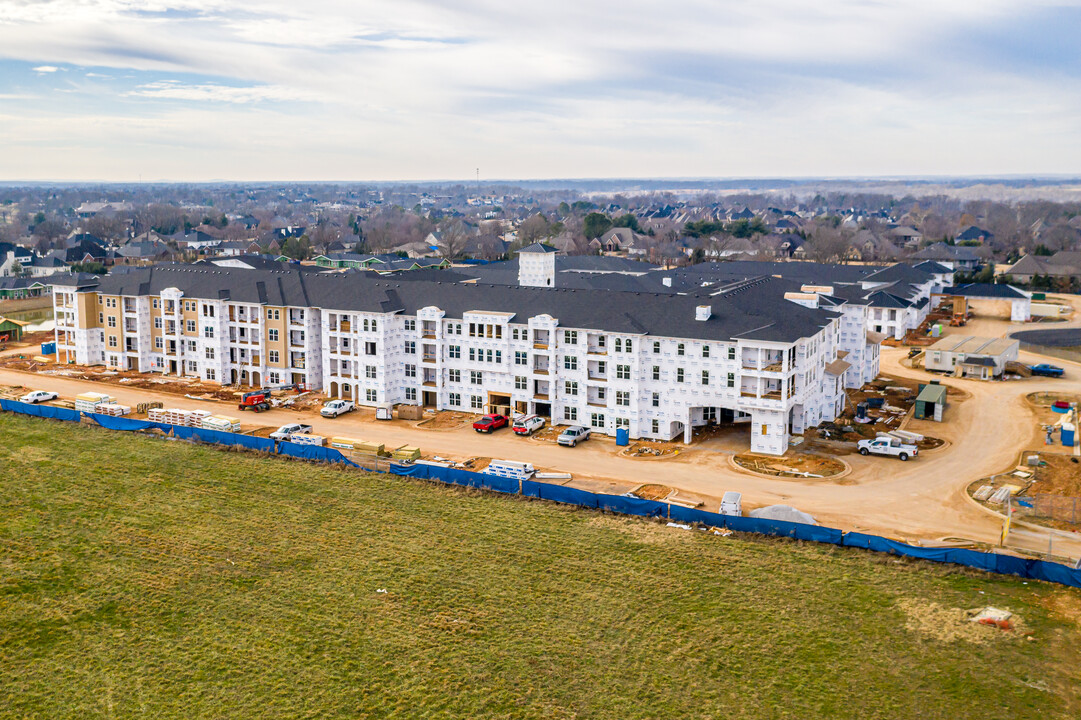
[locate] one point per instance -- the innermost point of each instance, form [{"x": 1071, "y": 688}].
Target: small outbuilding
[
  {"x": 930, "y": 402},
  {"x": 11, "y": 330}
]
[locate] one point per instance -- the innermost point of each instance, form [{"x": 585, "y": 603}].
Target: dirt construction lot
[{"x": 924, "y": 499}]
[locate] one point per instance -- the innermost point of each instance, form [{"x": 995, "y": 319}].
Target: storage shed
[
  {"x": 11, "y": 330},
  {"x": 931, "y": 402}
]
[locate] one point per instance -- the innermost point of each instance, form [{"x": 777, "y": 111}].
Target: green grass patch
[{"x": 150, "y": 578}]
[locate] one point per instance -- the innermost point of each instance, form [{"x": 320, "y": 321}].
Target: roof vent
[{"x": 703, "y": 312}]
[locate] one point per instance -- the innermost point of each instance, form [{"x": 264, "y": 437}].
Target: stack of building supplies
[
  {"x": 176, "y": 416},
  {"x": 114, "y": 409},
  {"x": 91, "y": 401},
  {"x": 304, "y": 439},
  {"x": 223, "y": 423},
  {"x": 406, "y": 452},
  {"x": 362, "y": 447}
]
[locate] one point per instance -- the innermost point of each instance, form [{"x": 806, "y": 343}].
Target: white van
[
  {"x": 509, "y": 469},
  {"x": 732, "y": 503}
]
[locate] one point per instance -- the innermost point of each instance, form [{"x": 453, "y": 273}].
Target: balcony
[
  {"x": 596, "y": 377},
  {"x": 539, "y": 396},
  {"x": 428, "y": 359},
  {"x": 597, "y": 351},
  {"x": 540, "y": 346},
  {"x": 540, "y": 371},
  {"x": 598, "y": 403}
]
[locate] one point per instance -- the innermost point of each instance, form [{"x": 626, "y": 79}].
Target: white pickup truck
[
  {"x": 285, "y": 431},
  {"x": 887, "y": 446},
  {"x": 334, "y": 408}
]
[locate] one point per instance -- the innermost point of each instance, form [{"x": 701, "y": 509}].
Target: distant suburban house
[
  {"x": 233, "y": 248},
  {"x": 487, "y": 247},
  {"x": 194, "y": 240},
  {"x": 136, "y": 252},
  {"x": 1064, "y": 266},
  {"x": 618, "y": 239},
  {"x": 90, "y": 209},
  {"x": 788, "y": 244},
  {"x": 974, "y": 234},
  {"x": 356, "y": 261},
  {"x": 88, "y": 250},
  {"x": 12, "y": 255},
  {"x": 17, "y": 288},
  {"x": 908, "y": 237},
  {"x": 959, "y": 257}
]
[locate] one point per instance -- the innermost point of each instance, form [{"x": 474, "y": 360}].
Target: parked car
[
  {"x": 573, "y": 435},
  {"x": 732, "y": 503},
  {"x": 887, "y": 446},
  {"x": 527, "y": 424},
  {"x": 285, "y": 431},
  {"x": 38, "y": 396},
  {"x": 1045, "y": 370},
  {"x": 488, "y": 423},
  {"x": 334, "y": 408}
]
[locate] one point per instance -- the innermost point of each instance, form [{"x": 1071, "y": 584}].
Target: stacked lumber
[
  {"x": 114, "y": 409},
  {"x": 406, "y": 452}
]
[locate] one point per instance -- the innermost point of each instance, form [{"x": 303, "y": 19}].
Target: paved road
[{"x": 1053, "y": 337}]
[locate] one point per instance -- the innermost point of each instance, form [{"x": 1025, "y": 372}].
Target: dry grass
[{"x": 142, "y": 577}]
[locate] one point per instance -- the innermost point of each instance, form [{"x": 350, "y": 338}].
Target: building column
[{"x": 688, "y": 431}]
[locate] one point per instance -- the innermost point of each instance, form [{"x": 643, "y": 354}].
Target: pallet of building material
[
  {"x": 345, "y": 443},
  {"x": 983, "y": 492},
  {"x": 406, "y": 452},
  {"x": 369, "y": 448},
  {"x": 90, "y": 401},
  {"x": 114, "y": 409},
  {"x": 906, "y": 436},
  {"x": 410, "y": 412},
  {"x": 222, "y": 423},
  {"x": 302, "y": 439},
  {"x": 195, "y": 418},
  {"x": 1000, "y": 496}
]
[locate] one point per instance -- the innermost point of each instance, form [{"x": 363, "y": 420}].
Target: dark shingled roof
[
  {"x": 986, "y": 290},
  {"x": 538, "y": 248},
  {"x": 755, "y": 310}
]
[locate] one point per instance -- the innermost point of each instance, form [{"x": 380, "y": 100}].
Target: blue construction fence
[{"x": 988, "y": 561}]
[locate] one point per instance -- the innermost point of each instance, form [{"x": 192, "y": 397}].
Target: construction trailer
[
  {"x": 971, "y": 357},
  {"x": 930, "y": 402}
]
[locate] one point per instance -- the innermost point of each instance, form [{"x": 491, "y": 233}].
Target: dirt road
[{"x": 920, "y": 499}]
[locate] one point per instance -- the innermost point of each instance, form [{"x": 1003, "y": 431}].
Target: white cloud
[
  {"x": 173, "y": 90},
  {"x": 418, "y": 88}
]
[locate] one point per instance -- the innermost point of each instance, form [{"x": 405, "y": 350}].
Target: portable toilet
[
  {"x": 623, "y": 437},
  {"x": 1067, "y": 434}
]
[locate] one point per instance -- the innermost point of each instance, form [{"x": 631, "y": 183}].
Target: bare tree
[
  {"x": 453, "y": 240},
  {"x": 828, "y": 244},
  {"x": 47, "y": 232},
  {"x": 533, "y": 229}
]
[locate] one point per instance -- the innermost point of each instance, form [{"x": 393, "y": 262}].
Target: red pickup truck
[{"x": 488, "y": 423}]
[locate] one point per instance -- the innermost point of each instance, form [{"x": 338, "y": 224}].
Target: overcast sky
[{"x": 408, "y": 89}]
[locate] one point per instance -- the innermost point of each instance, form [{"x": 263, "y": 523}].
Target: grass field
[{"x": 158, "y": 579}]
